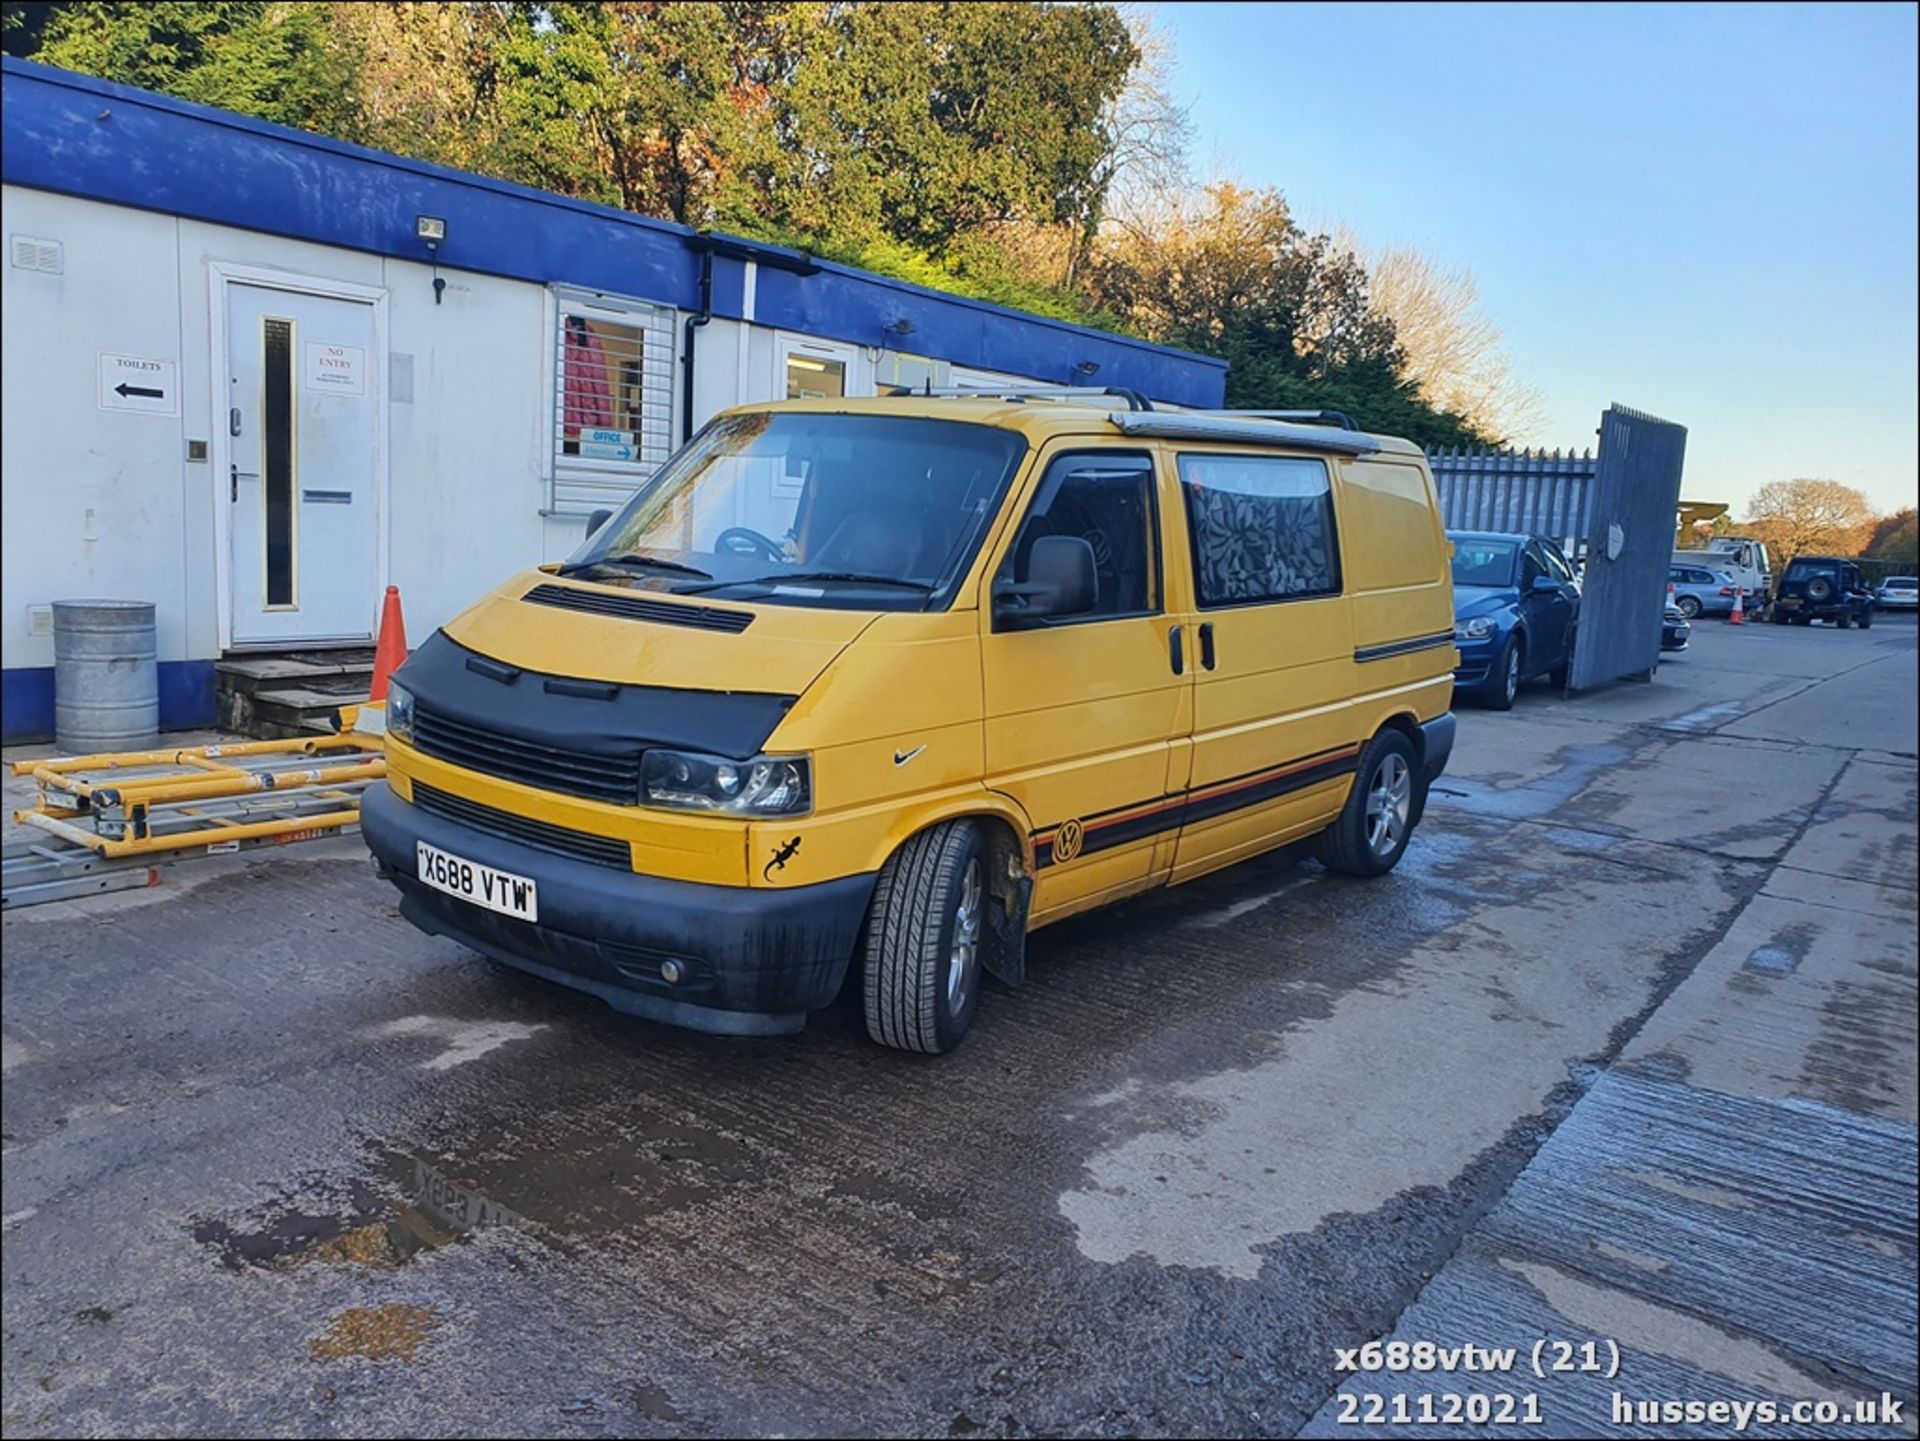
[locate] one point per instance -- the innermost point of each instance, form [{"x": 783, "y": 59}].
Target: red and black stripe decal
[{"x": 1126, "y": 824}]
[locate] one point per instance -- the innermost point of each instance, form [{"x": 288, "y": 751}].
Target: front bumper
[
  {"x": 752, "y": 962},
  {"x": 1476, "y": 662}
]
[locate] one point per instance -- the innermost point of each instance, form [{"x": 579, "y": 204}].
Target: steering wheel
[{"x": 741, "y": 540}]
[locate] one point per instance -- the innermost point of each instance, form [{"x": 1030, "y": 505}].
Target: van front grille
[
  {"x": 600, "y": 850},
  {"x": 531, "y": 763}
]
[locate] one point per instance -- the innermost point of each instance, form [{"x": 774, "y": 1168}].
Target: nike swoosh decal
[{"x": 901, "y": 758}]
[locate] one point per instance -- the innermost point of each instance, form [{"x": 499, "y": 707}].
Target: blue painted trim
[
  {"x": 187, "y": 695},
  {"x": 26, "y": 700},
  {"x": 26, "y": 705},
  {"x": 76, "y": 135}
]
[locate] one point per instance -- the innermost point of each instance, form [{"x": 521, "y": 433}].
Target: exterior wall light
[{"x": 432, "y": 229}]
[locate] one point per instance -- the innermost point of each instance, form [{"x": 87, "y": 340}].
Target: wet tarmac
[{"x": 275, "y": 1162}]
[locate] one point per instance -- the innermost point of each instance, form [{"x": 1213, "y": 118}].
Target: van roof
[{"x": 1043, "y": 416}]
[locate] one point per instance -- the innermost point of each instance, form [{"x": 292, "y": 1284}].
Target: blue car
[{"x": 1514, "y": 605}]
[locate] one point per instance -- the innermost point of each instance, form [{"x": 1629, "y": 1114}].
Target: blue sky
[{"x": 1704, "y": 212}]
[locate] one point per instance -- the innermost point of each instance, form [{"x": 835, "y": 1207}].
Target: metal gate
[{"x": 1629, "y": 546}]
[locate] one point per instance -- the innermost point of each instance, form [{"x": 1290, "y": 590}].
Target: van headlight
[
  {"x": 763, "y": 786},
  {"x": 400, "y": 712},
  {"x": 1479, "y": 628}
]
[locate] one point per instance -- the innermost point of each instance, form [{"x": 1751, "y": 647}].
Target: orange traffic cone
[
  {"x": 391, "y": 652},
  {"x": 1739, "y": 616}
]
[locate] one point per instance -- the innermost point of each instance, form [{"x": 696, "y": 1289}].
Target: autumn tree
[
  {"x": 1895, "y": 537},
  {"x": 1455, "y": 354},
  {"x": 1809, "y": 517},
  {"x": 272, "y": 60},
  {"x": 1228, "y": 271}
]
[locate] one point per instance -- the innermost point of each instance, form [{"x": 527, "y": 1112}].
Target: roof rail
[
  {"x": 1134, "y": 399},
  {"x": 1300, "y": 417},
  {"x": 1243, "y": 426}
]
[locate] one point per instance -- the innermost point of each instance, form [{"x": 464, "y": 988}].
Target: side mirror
[
  {"x": 598, "y": 519},
  {"x": 1544, "y": 583},
  {"x": 1060, "y": 581}
]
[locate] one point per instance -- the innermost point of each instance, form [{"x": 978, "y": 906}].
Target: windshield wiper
[
  {"x": 653, "y": 562},
  {"x": 849, "y": 576}
]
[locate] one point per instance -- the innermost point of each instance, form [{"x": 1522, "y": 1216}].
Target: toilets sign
[
  {"x": 148, "y": 387},
  {"x": 335, "y": 369}
]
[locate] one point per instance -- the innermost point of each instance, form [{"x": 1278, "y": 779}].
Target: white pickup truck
[{"x": 1740, "y": 557}]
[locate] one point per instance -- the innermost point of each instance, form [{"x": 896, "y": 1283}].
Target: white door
[{"x": 304, "y": 398}]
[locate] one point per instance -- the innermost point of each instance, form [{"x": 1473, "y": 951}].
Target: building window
[
  {"x": 613, "y": 398},
  {"x": 1262, "y": 528},
  {"x": 815, "y": 377}
]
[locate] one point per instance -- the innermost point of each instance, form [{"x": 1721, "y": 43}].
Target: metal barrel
[{"x": 106, "y": 684}]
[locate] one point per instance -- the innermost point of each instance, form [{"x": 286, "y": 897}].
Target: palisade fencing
[{"x": 1536, "y": 492}]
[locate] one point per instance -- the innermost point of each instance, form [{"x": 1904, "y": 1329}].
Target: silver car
[
  {"x": 1898, "y": 592},
  {"x": 1698, "y": 591}
]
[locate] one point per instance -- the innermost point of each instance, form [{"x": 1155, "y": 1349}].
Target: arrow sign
[{"x": 138, "y": 384}]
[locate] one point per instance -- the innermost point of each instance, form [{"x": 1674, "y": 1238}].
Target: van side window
[
  {"x": 1105, "y": 498},
  {"x": 1262, "y": 528}
]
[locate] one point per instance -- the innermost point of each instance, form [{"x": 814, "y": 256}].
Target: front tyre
[
  {"x": 925, "y": 929},
  {"x": 1374, "y": 826}
]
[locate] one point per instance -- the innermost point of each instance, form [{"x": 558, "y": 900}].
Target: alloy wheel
[
  {"x": 966, "y": 935},
  {"x": 1389, "y": 804}
]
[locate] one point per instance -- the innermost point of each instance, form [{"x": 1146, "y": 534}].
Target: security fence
[{"x": 1537, "y": 492}]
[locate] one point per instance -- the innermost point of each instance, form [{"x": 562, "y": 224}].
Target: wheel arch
[{"x": 1008, "y": 836}]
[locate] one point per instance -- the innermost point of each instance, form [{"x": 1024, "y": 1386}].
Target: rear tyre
[
  {"x": 1777, "y": 616},
  {"x": 1560, "y": 674},
  {"x": 1504, "y": 683},
  {"x": 1374, "y": 826},
  {"x": 925, "y": 930},
  {"x": 1689, "y": 606},
  {"x": 1866, "y": 620},
  {"x": 1843, "y": 620}
]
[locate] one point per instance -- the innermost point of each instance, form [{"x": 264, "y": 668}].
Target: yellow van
[{"x": 884, "y": 685}]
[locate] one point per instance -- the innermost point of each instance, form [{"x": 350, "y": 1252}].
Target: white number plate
[{"x": 500, "y": 891}]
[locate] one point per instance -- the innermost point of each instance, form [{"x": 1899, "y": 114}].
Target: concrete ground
[{"x": 1624, "y": 1051}]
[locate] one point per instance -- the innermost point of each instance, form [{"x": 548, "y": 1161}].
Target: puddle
[
  {"x": 367, "y": 1226},
  {"x": 392, "y": 1332},
  {"x": 654, "y": 1402}
]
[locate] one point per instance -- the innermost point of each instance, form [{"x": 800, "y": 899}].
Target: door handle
[
  {"x": 1206, "y": 645},
  {"x": 1179, "y": 651}
]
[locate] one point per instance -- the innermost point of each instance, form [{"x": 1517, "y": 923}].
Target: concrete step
[
  {"x": 294, "y": 694},
  {"x": 250, "y": 673}
]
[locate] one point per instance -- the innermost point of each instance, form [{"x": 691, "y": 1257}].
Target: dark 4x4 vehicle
[{"x": 1823, "y": 587}]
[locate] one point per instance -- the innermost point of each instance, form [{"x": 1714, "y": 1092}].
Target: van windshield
[{"x": 845, "y": 511}]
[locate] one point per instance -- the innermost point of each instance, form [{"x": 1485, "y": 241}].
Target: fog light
[{"x": 670, "y": 972}]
